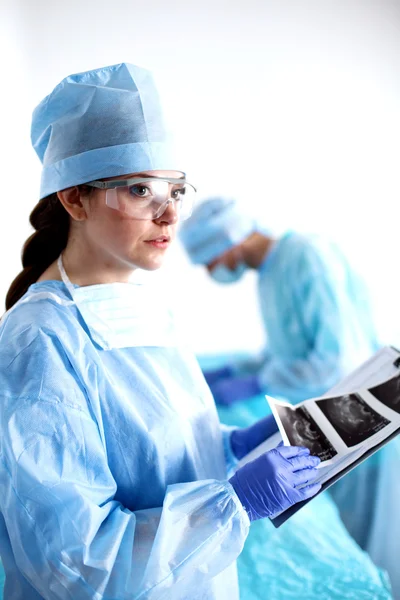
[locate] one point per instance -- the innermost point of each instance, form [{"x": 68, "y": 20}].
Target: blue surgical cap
[
  {"x": 101, "y": 123},
  {"x": 216, "y": 225}
]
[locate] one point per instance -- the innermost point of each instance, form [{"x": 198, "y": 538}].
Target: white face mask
[
  {"x": 222, "y": 274},
  {"x": 123, "y": 315}
]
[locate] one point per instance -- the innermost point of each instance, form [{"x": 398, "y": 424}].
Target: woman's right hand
[{"x": 269, "y": 484}]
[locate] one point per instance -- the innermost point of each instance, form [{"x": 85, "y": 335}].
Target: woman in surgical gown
[{"x": 114, "y": 478}]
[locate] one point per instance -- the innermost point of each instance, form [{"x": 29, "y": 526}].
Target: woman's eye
[
  {"x": 178, "y": 194},
  {"x": 139, "y": 190}
]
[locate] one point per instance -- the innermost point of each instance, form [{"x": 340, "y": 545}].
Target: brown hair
[{"x": 51, "y": 221}]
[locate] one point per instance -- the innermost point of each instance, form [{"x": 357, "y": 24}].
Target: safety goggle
[{"x": 147, "y": 198}]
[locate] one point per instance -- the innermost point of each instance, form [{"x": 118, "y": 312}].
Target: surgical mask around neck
[
  {"x": 121, "y": 315},
  {"x": 222, "y": 274}
]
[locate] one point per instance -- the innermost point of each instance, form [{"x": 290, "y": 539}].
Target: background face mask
[{"x": 222, "y": 274}]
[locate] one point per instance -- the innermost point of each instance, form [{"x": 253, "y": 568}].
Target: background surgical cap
[
  {"x": 216, "y": 225},
  {"x": 101, "y": 123}
]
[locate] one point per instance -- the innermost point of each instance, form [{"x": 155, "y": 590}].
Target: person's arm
[
  {"x": 72, "y": 539},
  {"x": 325, "y": 313}
]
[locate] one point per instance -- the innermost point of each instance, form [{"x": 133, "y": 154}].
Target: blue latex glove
[
  {"x": 245, "y": 440},
  {"x": 267, "y": 485},
  {"x": 213, "y": 376},
  {"x": 228, "y": 391}
]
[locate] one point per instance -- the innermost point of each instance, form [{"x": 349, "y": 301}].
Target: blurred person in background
[{"x": 315, "y": 307}]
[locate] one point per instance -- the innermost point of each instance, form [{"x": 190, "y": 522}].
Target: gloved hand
[
  {"x": 267, "y": 485},
  {"x": 228, "y": 391},
  {"x": 213, "y": 376},
  {"x": 245, "y": 440}
]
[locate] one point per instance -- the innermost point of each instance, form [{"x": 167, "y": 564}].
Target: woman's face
[{"x": 122, "y": 241}]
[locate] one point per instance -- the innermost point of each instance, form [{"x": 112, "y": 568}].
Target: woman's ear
[{"x": 71, "y": 200}]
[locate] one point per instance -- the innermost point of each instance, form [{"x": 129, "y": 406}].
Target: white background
[{"x": 292, "y": 106}]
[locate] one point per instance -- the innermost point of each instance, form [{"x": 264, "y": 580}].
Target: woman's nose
[{"x": 170, "y": 214}]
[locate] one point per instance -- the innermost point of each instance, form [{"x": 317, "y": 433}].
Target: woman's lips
[{"x": 162, "y": 241}]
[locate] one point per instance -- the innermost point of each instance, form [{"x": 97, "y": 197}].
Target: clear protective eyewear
[{"x": 147, "y": 198}]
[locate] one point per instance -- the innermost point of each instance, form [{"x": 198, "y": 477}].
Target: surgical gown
[
  {"x": 316, "y": 315},
  {"x": 113, "y": 478}
]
